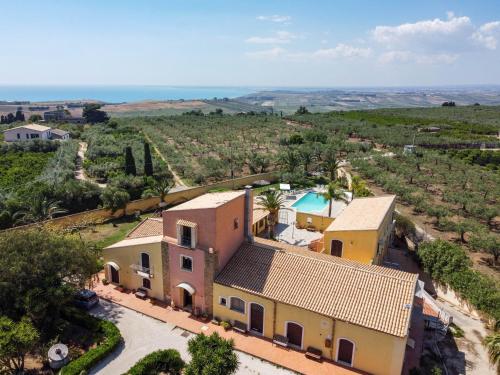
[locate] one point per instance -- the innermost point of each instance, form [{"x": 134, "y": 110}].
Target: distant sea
[{"x": 118, "y": 94}]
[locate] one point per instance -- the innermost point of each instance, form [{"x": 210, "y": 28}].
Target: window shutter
[
  {"x": 179, "y": 234},
  {"x": 193, "y": 238}
]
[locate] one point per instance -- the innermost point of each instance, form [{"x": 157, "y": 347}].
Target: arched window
[
  {"x": 237, "y": 304},
  {"x": 336, "y": 249},
  {"x": 345, "y": 352}
]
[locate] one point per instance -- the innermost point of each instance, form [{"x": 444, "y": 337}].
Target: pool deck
[{"x": 286, "y": 230}]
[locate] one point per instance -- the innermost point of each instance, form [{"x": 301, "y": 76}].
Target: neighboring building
[
  {"x": 34, "y": 131},
  {"x": 260, "y": 220},
  {"x": 27, "y": 133},
  {"x": 61, "y": 115},
  {"x": 61, "y": 135},
  {"x": 355, "y": 314},
  {"x": 363, "y": 230},
  {"x": 201, "y": 256}
]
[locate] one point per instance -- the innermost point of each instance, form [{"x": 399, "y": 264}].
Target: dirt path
[
  {"x": 80, "y": 172},
  {"x": 177, "y": 180}
]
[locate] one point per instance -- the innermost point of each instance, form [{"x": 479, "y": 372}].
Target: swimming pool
[{"x": 311, "y": 202}]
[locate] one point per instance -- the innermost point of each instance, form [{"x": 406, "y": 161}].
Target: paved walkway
[
  {"x": 255, "y": 346},
  {"x": 143, "y": 335}
]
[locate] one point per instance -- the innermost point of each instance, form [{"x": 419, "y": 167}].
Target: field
[{"x": 18, "y": 168}]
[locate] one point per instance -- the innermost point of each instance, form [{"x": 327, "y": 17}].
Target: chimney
[{"x": 248, "y": 221}]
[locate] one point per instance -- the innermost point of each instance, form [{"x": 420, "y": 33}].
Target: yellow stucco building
[
  {"x": 363, "y": 230},
  {"x": 355, "y": 314}
]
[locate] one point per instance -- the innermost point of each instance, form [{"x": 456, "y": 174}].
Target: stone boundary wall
[{"x": 149, "y": 204}]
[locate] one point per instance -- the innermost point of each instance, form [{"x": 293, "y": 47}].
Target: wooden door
[
  {"x": 115, "y": 275},
  {"x": 345, "y": 352},
  {"x": 256, "y": 318},
  {"x": 336, "y": 248},
  {"x": 294, "y": 334}
]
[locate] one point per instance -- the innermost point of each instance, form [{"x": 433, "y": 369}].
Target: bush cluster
[
  {"x": 111, "y": 339},
  {"x": 168, "y": 361},
  {"x": 448, "y": 264}
]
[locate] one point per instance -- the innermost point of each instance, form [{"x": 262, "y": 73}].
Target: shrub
[
  {"x": 448, "y": 264},
  {"x": 111, "y": 339},
  {"x": 225, "y": 325},
  {"x": 211, "y": 355},
  {"x": 168, "y": 361},
  {"x": 404, "y": 226},
  {"x": 114, "y": 198}
]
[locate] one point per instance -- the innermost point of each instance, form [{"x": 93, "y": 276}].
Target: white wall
[{"x": 11, "y": 134}]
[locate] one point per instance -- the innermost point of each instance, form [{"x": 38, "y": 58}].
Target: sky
[{"x": 261, "y": 43}]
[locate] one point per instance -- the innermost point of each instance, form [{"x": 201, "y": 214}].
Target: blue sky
[{"x": 250, "y": 43}]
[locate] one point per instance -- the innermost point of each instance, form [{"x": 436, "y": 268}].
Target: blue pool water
[{"x": 311, "y": 202}]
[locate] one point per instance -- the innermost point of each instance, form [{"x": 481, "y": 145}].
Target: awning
[
  {"x": 186, "y": 223},
  {"x": 114, "y": 265},
  {"x": 187, "y": 287},
  {"x": 284, "y": 186}
]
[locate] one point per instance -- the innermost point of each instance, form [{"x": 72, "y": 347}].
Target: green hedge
[
  {"x": 111, "y": 339},
  {"x": 168, "y": 361},
  {"x": 449, "y": 264}
]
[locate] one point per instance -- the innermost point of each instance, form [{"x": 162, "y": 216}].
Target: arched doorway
[
  {"x": 345, "y": 352},
  {"x": 113, "y": 272},
  {"x": 336, "y": 248},
  {"x": 186, "y": 297},
  {"x": 294, "y": 333},
  {"x": 256, "y": 318}
]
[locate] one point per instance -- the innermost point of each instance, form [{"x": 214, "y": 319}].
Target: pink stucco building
[{"x": 199, "y": 238}]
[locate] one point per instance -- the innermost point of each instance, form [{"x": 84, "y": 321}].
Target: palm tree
[
  {"x": 39, "y": 209},
  {"x": 272, "y": 201},
  {"x": 333, "y": 192},
  {"x": 290, "y": 160},
  {"x": 162, "y": 186},
  {"x": 492, "y": 343},
  {"x": 331, "y": 163}
]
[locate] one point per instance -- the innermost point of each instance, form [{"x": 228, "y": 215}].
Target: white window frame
[
  {"x": 286, "y": 332},
  {"x": 263, "y": 318},
  {"x": 180, "y": 263},
  {"x": 220, "y": 301},
  {"x": 353, "y": 352},
  {"x": 244, "y": 305}
]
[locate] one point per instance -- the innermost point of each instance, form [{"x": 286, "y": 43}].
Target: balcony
[{"x": 142, "y": 271}]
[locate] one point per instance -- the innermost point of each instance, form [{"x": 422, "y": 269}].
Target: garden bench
[
  {"x": 280, "y": 340},
  {"x": 312, "y": 352},
  {"x": 240, "y": 326}
]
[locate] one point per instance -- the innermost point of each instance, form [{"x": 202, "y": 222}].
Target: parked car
[{"x": 86, "y": 299}]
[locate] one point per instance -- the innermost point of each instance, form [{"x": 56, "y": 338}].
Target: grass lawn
[
  {"x": 262, "y": 189},
  {"x": 112, "y": 231}
]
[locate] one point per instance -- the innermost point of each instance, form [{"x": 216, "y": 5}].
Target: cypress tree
[
  {"x": 148, "y": 163},
  {"x": 129, "y": 162}
]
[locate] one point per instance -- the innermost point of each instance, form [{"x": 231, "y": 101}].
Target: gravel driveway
[{"x": 143, "y": 335}]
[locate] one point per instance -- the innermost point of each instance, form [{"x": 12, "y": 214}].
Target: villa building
[
  {"x": 201, "y": 256},
  {"x": 33, "y": 131},
  {"x": 363, "y": 230}
]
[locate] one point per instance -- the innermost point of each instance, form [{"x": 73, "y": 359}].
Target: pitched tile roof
[
  {"x": 209, "y": 200},
  {"x": 363, "y": 214},
  {"x": 152, "y": 226},
  {"x": 136, "y": 241},
  {"x": 35, "y": 127},
  {"x": 370, "y": 296}
]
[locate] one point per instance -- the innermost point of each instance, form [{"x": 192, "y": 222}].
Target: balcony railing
[{"x": 142, "y": 271}]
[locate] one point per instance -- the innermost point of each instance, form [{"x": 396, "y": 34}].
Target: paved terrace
[
  {"x": 287, "y": 232},
  {"x": 255, "y": 346}
]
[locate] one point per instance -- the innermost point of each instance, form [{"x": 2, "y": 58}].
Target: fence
[{"x": 148, "y": 204}]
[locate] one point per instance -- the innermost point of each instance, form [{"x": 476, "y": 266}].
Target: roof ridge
[{"x": 361, "y": 267}]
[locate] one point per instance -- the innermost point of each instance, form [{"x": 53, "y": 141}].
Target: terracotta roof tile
[
  {"x": 148, "y": 227},
  {"x": 370, "y": 296}
]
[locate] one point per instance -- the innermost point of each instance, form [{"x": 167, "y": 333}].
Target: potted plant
[
  {"x": 105, "y": 281},
  {"x": 226, "y": 325}
]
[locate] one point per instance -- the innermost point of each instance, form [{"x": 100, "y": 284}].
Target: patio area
[
  {"x": 287, "y": 232},
  {"x": 255, "y": 346}
]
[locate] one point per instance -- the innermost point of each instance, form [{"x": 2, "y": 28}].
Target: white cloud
[
  {"x": 424, "y": 33},
  {"x": 269, "y": 54},
  {"x": 280, "y": 37},
  {"x": 411, "y": 57},
  {"x": 341, "y": 51},
  {"x": 487, "y": 35},
  {"x": 275, "y": 18}
]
